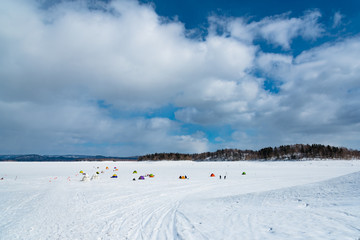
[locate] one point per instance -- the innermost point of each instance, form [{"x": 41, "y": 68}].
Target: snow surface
[{"x": 274, "y": 200}]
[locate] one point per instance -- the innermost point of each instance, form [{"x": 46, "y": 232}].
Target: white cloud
[
  {"x": 317, "y": 88},
  {"x": 337, "y": 19},
  {"x": 68, "y": 127},
  {"x": 219, "y": 102},
  {"x": 57, "y": 63},
  {"x": 279, "y": 30},
  {"x": 240, "y": 30}
]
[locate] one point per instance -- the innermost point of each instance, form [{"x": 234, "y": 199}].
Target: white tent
[
  {"x": 95, "y": 177},
  {"x": 85, "y": 178}
]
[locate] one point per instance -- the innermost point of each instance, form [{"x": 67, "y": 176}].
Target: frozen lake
[{"x": 274, "y": 200}]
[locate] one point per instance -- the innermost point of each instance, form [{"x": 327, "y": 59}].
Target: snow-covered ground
[{"x": 274, "y": 200}]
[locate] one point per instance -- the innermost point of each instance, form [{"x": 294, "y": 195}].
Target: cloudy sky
[{"x": 124, "y": 77}]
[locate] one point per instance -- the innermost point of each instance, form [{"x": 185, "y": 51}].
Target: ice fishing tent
[
  {"x": 114, "y": 176},
  {"x": 212, "y": 175},
  {"x": 243, "y": 173},
  {"x": 95, "y": 177},
  {"x": 141, "y": 178},
  {"x": 85, "y": 178},
  {"x": 81, "y": 171},
  {"x": 151, "y": 175},
  {"x": 183, "y": 177},
  {"x": 134, "y": 172},
  {"x": 107, "y": 168}
]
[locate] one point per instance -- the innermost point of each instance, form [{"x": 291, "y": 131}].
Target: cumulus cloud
[
  {"x": 59, "y": 61},
  {"x": 69, "y": 127},
  {"x": 278, "y": 30},
  {"x": 126, "y": 56},
  {"x": 319, "y": 89}
]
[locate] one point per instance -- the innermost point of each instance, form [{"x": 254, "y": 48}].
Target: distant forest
[{"x": 287, "y": 152}]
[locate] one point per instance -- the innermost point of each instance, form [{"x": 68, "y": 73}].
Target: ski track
[{"x": 242, "y": 208}]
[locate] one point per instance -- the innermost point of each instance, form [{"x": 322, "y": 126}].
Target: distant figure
[
  {"x": 185, "y": 177},
  {"x": 220, "y": 176},
  {"x": 134, "y": 179},
  {"x": 224, "y": 177}
]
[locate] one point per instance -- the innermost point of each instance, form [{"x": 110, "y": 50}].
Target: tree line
[{"x": 284, "y": 152}]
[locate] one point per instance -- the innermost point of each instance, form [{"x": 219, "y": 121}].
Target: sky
[{"x": 127, "y": 78}]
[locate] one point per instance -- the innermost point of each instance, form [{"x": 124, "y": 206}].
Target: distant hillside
[
  {"x": 57, "y": 158},
  {"x": 288, "y": 152}
]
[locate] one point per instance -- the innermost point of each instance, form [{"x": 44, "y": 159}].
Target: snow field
[{"x": 275, "y": 200}]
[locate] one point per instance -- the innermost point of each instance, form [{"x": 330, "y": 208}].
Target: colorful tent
[
  {"x": 183, "y": 177},
  {"x": 212, "y": 175},
  {"x": 141, "y": 178},
  {"x": 151, "y": 175},
  {"x": 114, "y": 176},
  {"x": 81, "y": 171},
  {"x": 134, "y": 172},
  {"x": 107, "y": 168},
  {"x": 243, "y": 173}
]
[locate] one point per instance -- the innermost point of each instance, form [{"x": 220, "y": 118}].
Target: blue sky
[{"x": 127, "y": 78}]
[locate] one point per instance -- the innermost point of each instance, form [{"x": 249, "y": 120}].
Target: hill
[
  {"x": 287, "y": 152},
  {"x": 284, "y": 152},
  {"x": 61, "y": 158}
]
